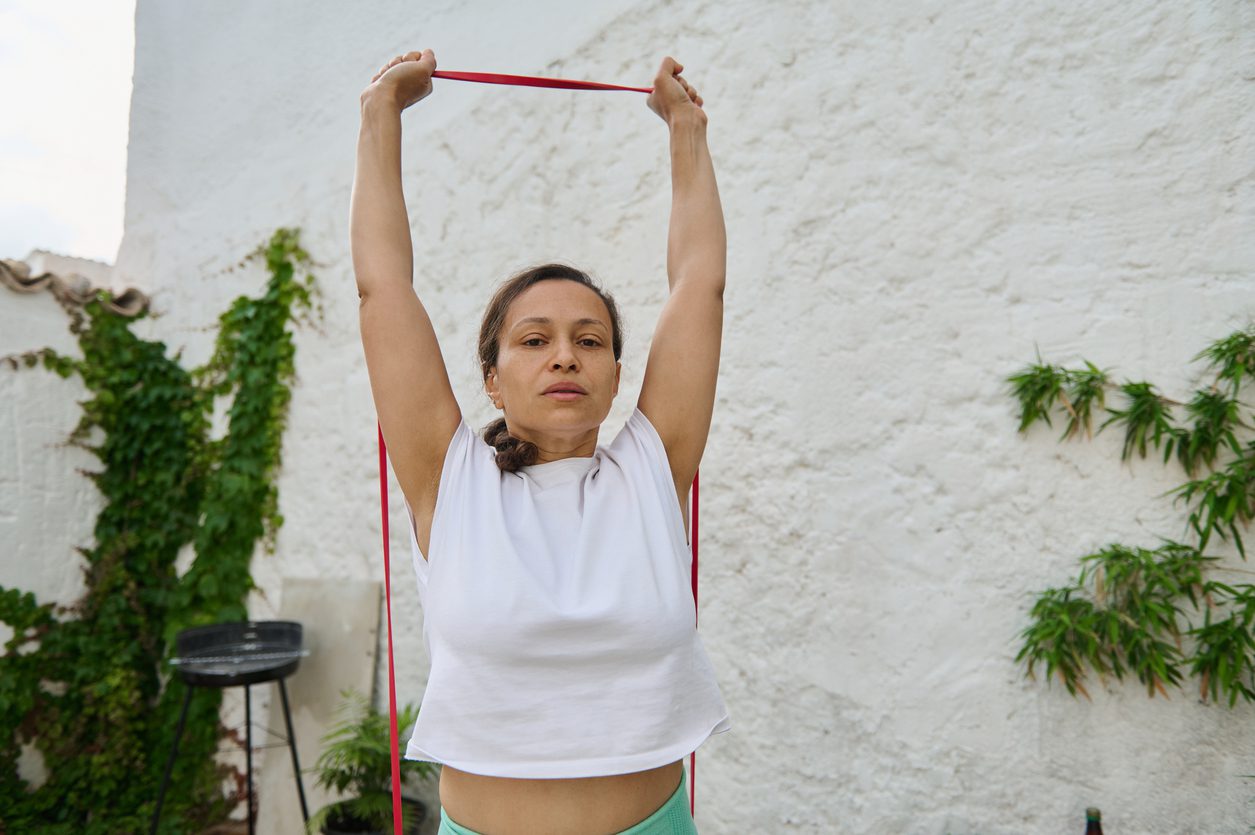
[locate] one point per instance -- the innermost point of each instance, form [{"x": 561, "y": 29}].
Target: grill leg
[
  {"x": 174, "y": 750},
  {"x": 296, "y": 764},
  {"x": 248, "y": 747}
]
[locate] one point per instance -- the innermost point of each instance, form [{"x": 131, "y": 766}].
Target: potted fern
[{"x": 357, "y": 761}]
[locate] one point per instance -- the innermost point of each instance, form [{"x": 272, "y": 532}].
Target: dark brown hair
[{"x": 512, "y": 452}]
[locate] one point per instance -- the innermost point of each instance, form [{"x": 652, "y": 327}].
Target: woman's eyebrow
[{"x": 542, "y": 320}]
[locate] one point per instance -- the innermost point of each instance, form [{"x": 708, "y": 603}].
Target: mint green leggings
[{"x": 672, "y": 818}]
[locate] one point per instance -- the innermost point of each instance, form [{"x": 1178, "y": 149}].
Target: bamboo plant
[{"x": 1158, "y": 614}]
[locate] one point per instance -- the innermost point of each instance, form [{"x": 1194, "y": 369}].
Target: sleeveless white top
[{"x": 558, "y": 616}]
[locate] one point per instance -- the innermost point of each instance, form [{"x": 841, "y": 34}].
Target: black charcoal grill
[{"x": 237, "y": 654}]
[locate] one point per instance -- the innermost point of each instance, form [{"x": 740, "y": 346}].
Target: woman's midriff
[{"x": 563, "y": 806}]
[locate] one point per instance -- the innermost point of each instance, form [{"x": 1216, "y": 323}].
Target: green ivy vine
[
  {"x": 88, "y": 684},
  {"x": 1159, "y": 614}
]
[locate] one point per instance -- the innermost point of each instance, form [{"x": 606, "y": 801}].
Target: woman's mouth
[{"x": 565, "y": 391}]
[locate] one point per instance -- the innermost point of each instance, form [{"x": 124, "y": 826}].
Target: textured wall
[
  {"x": 45, "y": 506},
  {"x": 917, "y": 195}
]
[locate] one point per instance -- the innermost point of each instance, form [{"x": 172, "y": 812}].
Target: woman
[{"x": 567, "y": 681}]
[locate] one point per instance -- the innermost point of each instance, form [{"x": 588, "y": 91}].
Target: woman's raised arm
[
  {"x": 678, "y": 392},
  {"x": 413, "y": 398}
]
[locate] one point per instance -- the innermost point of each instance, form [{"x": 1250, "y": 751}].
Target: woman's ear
[
  {"x": 618, "y": 367},
  {"x": 491, "y": 388}
]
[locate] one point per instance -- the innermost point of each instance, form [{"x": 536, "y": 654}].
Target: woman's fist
[
  {"x": 672, "y": 95},
  {"x": 405, "y": 79}
]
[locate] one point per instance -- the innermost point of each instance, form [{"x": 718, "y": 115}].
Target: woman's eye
[
  {"x": 592, "y": 343},
  {"x": 534, "y": 341}
]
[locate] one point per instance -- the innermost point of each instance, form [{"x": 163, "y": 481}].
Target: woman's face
[{"x": 556, "y": 375}]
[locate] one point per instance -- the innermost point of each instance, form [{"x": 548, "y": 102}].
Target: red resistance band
[
  {"x": 517, "y": 81},
  {"x": 392, "y": 688},
  {"x": 392, "y": 685},
  {"x": 532, "y": 81}
]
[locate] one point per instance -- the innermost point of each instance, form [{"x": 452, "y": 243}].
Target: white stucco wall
[
  {"x": 46, "y": 507},
  {"x": 917, "y": 197}
]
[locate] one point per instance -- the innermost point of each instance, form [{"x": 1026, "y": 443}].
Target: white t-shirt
[{"x": 558, "y": 616}]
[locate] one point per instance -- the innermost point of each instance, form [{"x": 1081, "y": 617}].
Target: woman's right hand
[{"x": 405, "y": 79}]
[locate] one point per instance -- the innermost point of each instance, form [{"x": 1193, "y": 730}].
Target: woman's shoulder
[
  {"x": 468, "y": 451},
  {"x": 638, "y": 439}
]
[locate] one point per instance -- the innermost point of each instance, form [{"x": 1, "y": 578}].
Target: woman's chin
[{"x": 579, "y": 416}]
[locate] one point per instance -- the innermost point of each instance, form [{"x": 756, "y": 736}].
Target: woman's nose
[{"x": 564, "y": 356}]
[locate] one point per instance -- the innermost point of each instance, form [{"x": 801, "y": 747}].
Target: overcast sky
[{"x": 65, "y": 99}]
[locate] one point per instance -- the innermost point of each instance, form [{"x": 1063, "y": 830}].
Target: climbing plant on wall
[
  {"x": 88, "y": 684},
  {"x": 1157, "y": 613}
]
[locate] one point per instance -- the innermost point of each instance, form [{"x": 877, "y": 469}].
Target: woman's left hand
[{"x": 673, "y": 97}]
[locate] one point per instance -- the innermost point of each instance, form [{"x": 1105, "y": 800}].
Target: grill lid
[{"x": 240, "y": 652}]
